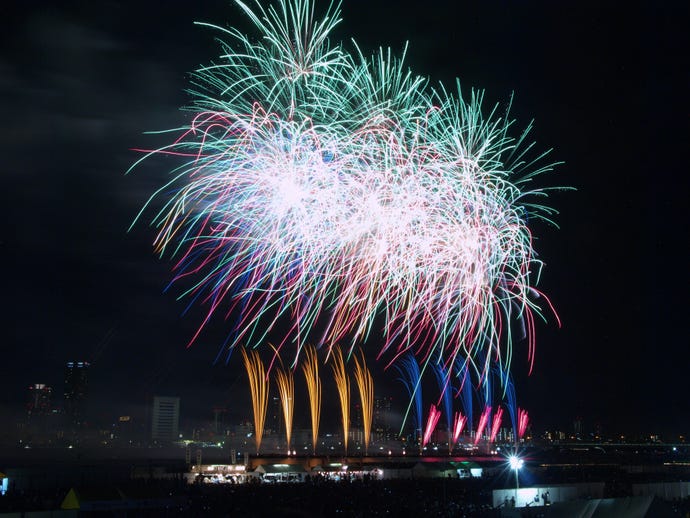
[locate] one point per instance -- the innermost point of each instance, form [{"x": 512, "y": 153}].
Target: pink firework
[
  {"x": 458, "y": 426},
  {"x": 523, "y": 421},
  {"x": 496, "y": 425},
  {"x": 483, "y": 420},
  {"x": 434, "y": 416}
]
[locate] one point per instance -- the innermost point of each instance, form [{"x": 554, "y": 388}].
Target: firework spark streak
[
  {"x": 496, "y": 424},
  {"x": 483, "y": 421},
  {"x": 511, "y": 404},
  {"x": 411, "y": 377},
  {"x": 458, "y": 426},
  {"x": 342, "y": 383},
  {"x": 446, "y": 389},
  {"x": 285, "y": 380},
  {"x": 258, "y": 384},
  {"x": 365, "y": 384},
  {"x": 326, "y": 189},
  {"x": 523, "y": 421},
  {"x": 310, "y": 367},
  {"x": 465, "y": 392},
  {"x": 432, "y": 421}
]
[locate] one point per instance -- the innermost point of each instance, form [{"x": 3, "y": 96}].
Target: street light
[{"x": 516, "y": 463}]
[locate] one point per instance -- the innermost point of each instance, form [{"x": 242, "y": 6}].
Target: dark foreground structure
[
  {"x": 313, "y": 498},
  {"x": 318, "y": 498},
  {"x": 560, "y": 483}
]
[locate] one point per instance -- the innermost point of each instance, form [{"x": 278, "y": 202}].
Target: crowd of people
[{"x": 317, "y": 497}]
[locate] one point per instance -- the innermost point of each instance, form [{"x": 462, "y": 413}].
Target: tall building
[
  {"x": 166, "y": 418},
  {"x": 219, "y": 415},
  {"x": 76, "y": 390},
  {"x": 39, "y": 400},
  {"x": 381, "y": 426}
]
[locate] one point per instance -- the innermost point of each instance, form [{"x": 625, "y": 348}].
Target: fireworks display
[
  {"x": 285, "y": 381},
  {"x": 432, "y": 421},
  {"x": 342, "y": 383},
  {"x": 523, "y": 421},
  {"x": 458, "y": 426},
  {"x": 330, "y": 190},
  {"x": 310, "y": 367},
  {"x": 258, "y": 385},
  {"x": 483, "y": 421},
  {"x": 365, "y": 384},
  {"x": 411, "y": 377},
  {"x": 496, "y": 424},
  {"x": 446, "y": 388}
]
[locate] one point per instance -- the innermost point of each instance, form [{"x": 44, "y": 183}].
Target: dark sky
[{"x": 607, "y": 87}]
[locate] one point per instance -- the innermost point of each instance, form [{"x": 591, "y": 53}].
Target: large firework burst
[{"x": 334, "y": 190}]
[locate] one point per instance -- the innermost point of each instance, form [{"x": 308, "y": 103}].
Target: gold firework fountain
[
  {"x": 286, "y": 388},
  {"x": 310, "y": 367},
  {"x": 258, "y": 385},
  {"x": 342, "y": 382},
  {"x": 365, "y": 383}
]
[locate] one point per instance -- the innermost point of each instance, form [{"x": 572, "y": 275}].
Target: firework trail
[
  {"x": 432, "y": 421},
  {"x": 324, "y": 188},
  {"x": 365, "y": 384},
  {"x": 310, "y": 368},
  {"x": 458, "y": 426},
  {"x": 443, "y": 380},
  {"x": 411, "y": 377},
  {"x": 342, "y": 383},
  {"x": 465, "y": 392},
  {"x": 511, "y": 403},
  {"x": 285, "y": 380},
  {"x": 258, "y": 384},
  {"x": 523, "y": 421},
  {"x": 483, "y": 421},
  {"x": 496, "y": 424}
]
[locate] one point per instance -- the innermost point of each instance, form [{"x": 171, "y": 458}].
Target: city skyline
[
  {"x": 82, "y": 83},
  {"x": 203, "y": 424}
]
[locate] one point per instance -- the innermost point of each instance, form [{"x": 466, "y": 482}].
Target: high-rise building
[
  {"x": 381, "y": 426},
  {"x": 39, "y": 400},
  {"x": 76, "y": 390},
  {"x": 219, "y": 415},
  {"x": 166, "y": 418}
]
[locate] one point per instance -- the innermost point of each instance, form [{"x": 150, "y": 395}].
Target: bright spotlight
[{"x": 515, "y": 462}]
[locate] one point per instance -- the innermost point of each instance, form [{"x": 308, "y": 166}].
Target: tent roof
[{"x": 70, "y": 501}]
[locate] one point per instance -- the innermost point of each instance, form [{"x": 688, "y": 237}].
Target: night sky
[{"x": 80, "y": 83}]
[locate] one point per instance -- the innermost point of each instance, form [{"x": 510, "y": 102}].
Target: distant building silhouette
[
  {"x": 219, "y": 416},
  {"x": 39, "y": 400},
  {"x": 166, "y": 418},
  {"x": 381, "y": 426},
  {"x": 76, "y": 390}
]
